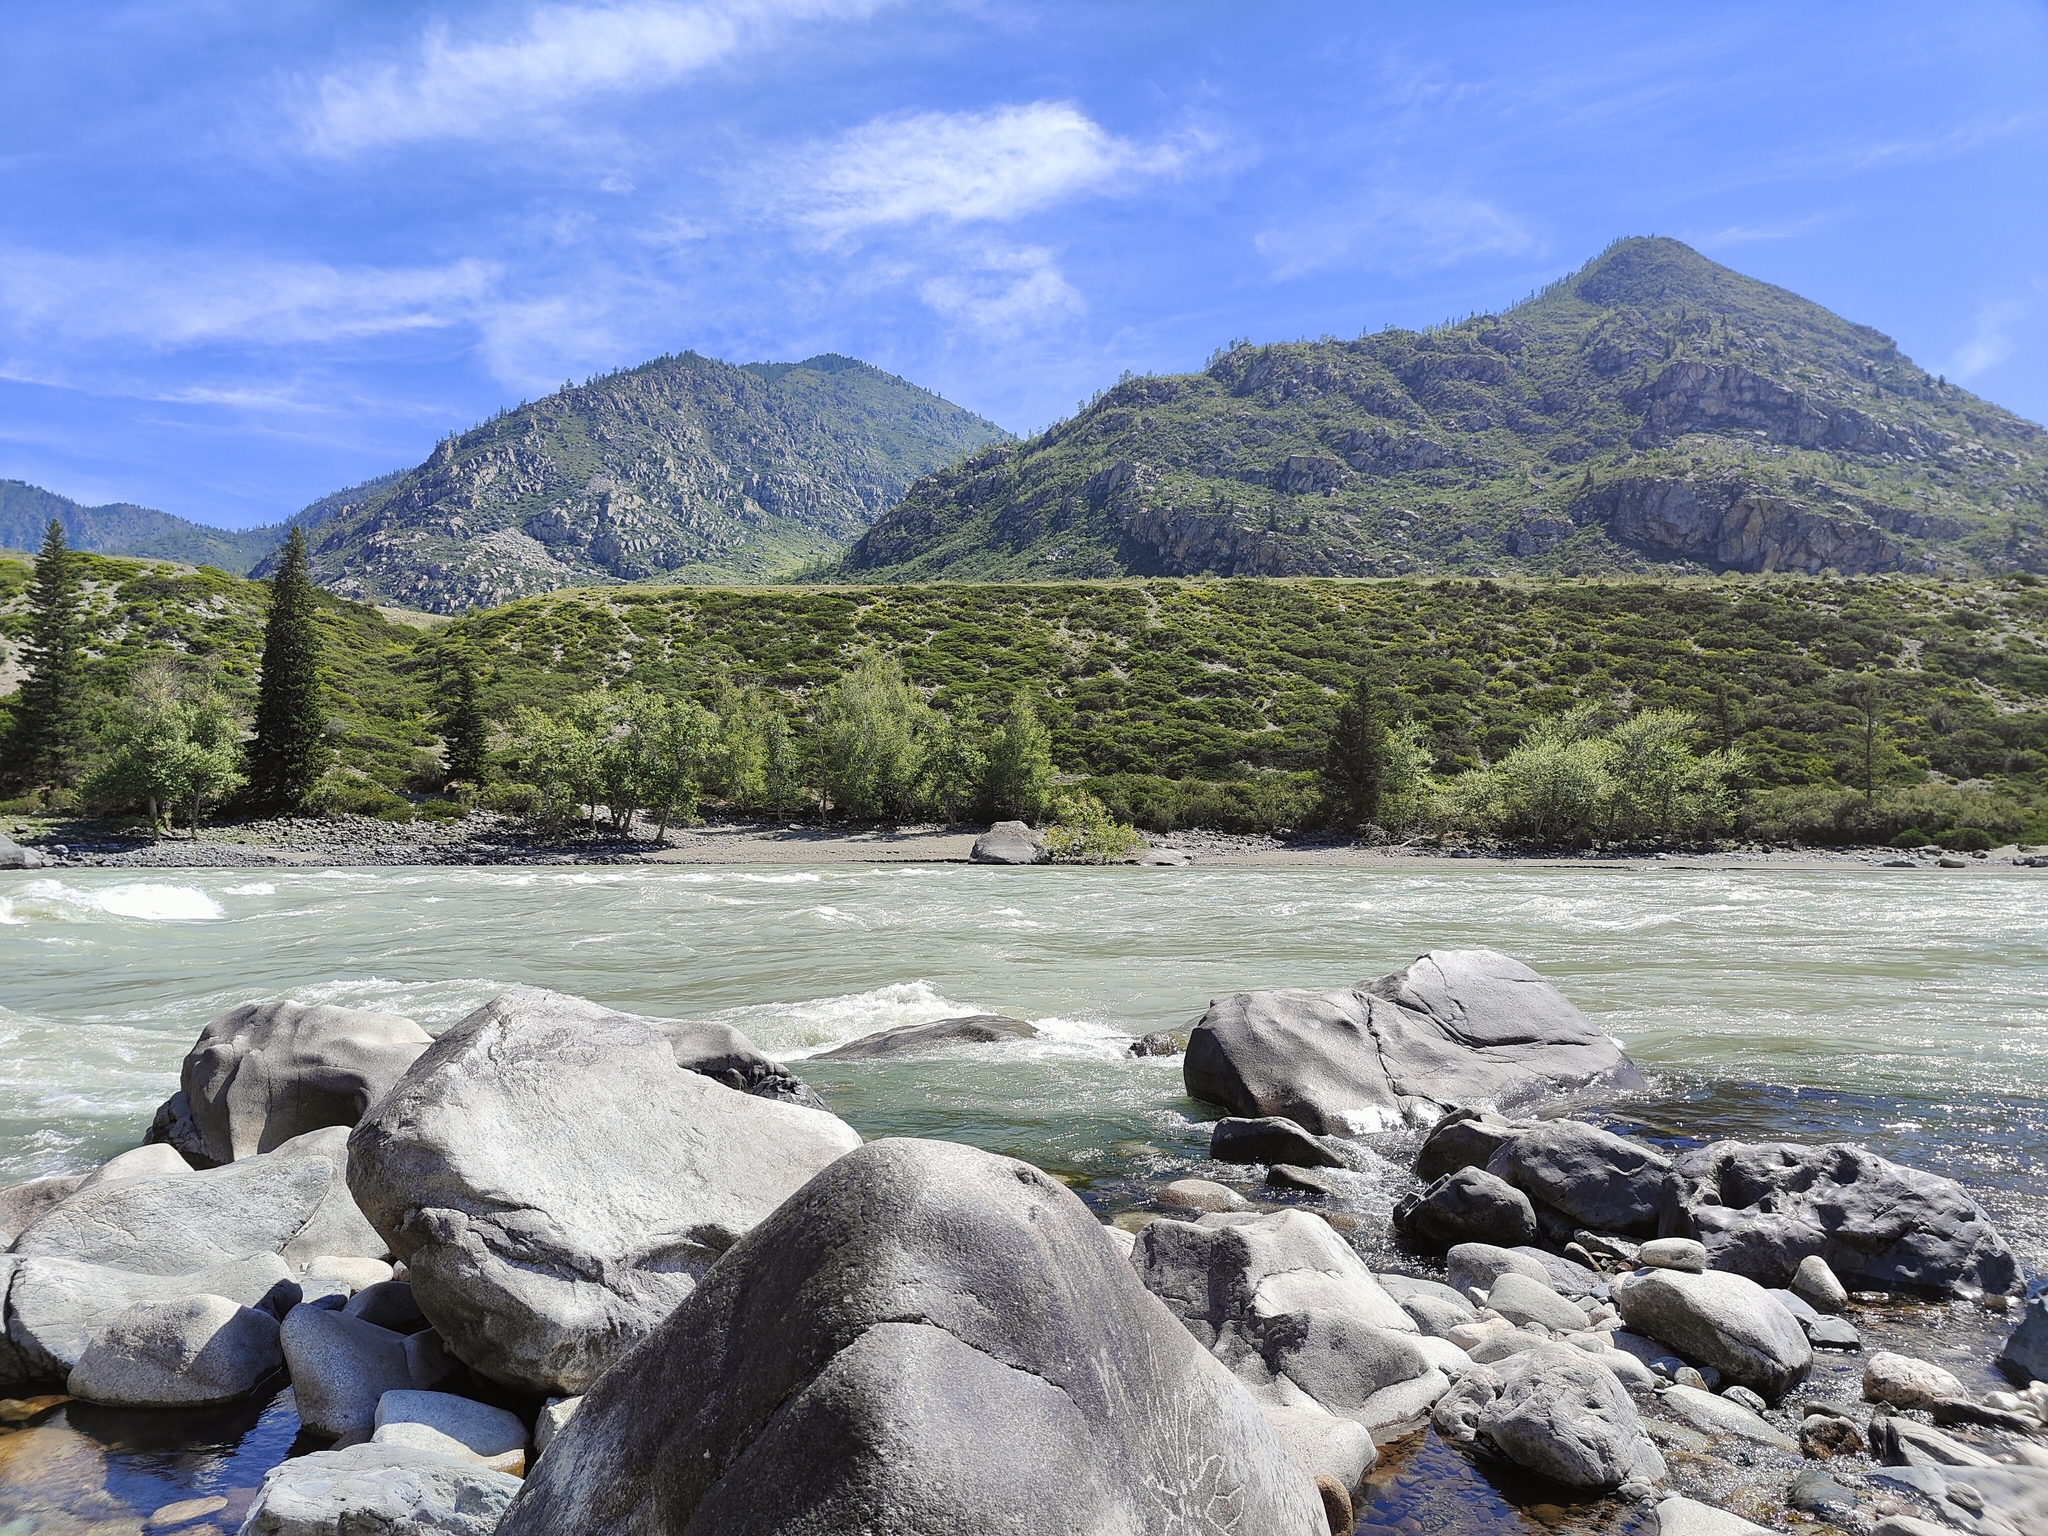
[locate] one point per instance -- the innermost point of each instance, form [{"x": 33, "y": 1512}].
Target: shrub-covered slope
[
  {"x": 1652, "y": 409},
  {"x": 122, "y": 528},
  {"x": 684, "y": 465}
]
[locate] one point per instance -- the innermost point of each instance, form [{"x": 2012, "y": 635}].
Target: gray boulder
[
  {"x": 392, "y": 1490},
  {"x": 1468, "y": 1206},
  {"x": 554, "y": 1413},
  {"x": 14, "y": 856},
  {"x": 915, "y": 1039},
  {"x": 1455, "y": 1027},
  {"x": 1673, "y": 1253},
  {"x": 1009, "y": 842},
  {"x": 1552, "y": 1410},
  {"x": 725, "y": 1055},
  {"x": 925, "y": 1338},
  {"x": 264, "y": 1073},
  {"x": 1762, "y": 1207},
  {"x": 1721, "y": 1320},
  {"x": 491, "y": 1435},
  {"x": 556, "y": 1184},
  {"x": 1464, "y": 1138},
  {"x": 389, "y": 1304},
  {"x": 2025, "y": 1356},
  {"x": 293, "y": 1201},
  {"x": 1480, "y": 1264},
  {"x": 21, "y": 1204},
  {"x": 1588, "y": 1176},
  {"x": 143, "y": 1162},
  {"x": 189, "y": 1353},
  {"x": 1272, "y": 1139},
  {"x": 1677, "y": 1516},
  {"x": 340, "y": 1367},
  {"x": 1815, "y": 1284},
  {"x": 56, "y": 1307},
  {"x": 1436, "y": 1316},
  {"x": 1520, "y": 1299}
]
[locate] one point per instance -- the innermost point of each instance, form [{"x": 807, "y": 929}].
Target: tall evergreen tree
[
  {"x": 49, "y": 721},
  {"x": 463, "y": 727},
  {"x": 287, "y": 756},
  {"x": 1356, "y": 767}
]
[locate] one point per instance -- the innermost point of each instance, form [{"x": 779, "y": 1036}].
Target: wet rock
[
  {"x": 1587, "y": 1176},
  {"x": 340, "y": 1367},
  {"x": 21, "y": 1204},
  {"x": 189, "y": 1353},
  {"x": 1678, "y": 1516},
  {"x": 1902, "y": 1442},
  {"x": 264, "y": 1073},
  {"x": 925, "y": 1337},
  {"x": 1823, "y": 1435},
  {"x": 725, "y": 1055},
  {"x": 1721, "y": 1320},
  {"x": 490, "y": 1436},
  {"x": 1464, "y": 1138},
  {"x": 1161, "y": 1042},
  {"x": 1455, "y": 1027},
  {"x": 1469, "y": 1205},
  {"x": 1815, "y": 1284},
  {"x": 1679, "y": 1253},
  {"x": 55, "y": 1307},
  {"x": 2025, "y": 1355},
  {"x": 1200, "y": 1195},
  {"x": 1009, "y": 842},
  {"x": 1554, "y": 1412},
  {"x": 1307, "y": 1180},
  {"x": 1721, "y": 1416},
  {"x": 1270, "y": 1139},
  {"x": 1522, "y": 1300},
  {"x": 1815, "y": 1493},
  {"x": 293, "y": 1201},
  {"x": 554, "y": 1413},
  {"x": 183, "y": 1512},
  {"x": 1762, "y": 1208},
  {"x": 555, "y": 1184},
  {"x": 392, "y": 1489},
  {"x": 1905, "y": 1382},
  {"x": 915, "y": 1039}
]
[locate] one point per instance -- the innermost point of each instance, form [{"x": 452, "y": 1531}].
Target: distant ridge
[
  {"x": 122, "y": 528},
  {"x": 1652, "y": 410}
]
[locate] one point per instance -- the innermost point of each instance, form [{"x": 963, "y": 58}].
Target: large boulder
[
  {"x": 926, "y": 1338},
  {"x": 1586, "y": 1176},
  {"x": 393, "y": 1490},
  {"x": 916, "y": 1039},
  {"x": 1762, "y": 1207},
  {"x": 1721, "y": 1320},
  {"x": 1461, "y": 1026},
  {"x": 21, "y": 1204},
  {"x": 1464, "y": 1138},
  {"x": 341, "y": 1367},
  {"x": 190, "y": 1353},
  {"x": 293, "y": 1201},
  {"x": 1552, "y": 1410},
  {"x": 14, "y": 856},
  {"x": 56, "y": 1307},
  {"x": 264, "y": 1073},
  {"x": 1009, "y": 842},
  {"x": 556, "y": 1184},
  {"x": 1469, "y": 1205}
]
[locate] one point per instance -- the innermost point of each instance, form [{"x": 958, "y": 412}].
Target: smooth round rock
[
  {"x": 1201, "y": 1195},
  {"x": 1905, "y": 1382},
  {"x": 188, "y": 1353},
  {"x": 1679, "y": 1253},
  {"x": 1815, "y": 1284}
]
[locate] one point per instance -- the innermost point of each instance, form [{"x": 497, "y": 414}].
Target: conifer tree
[
  {"x": 464, "y": 729},
  {"x": 49, "y": 729},
  {"x": 287, "y": 756},
  {"x": 1356, "y": 767}
]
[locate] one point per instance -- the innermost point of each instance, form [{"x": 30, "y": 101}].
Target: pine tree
[
  {"x": 1355, "y": 769},
  {"x": 464, "y": 729},
  {"x": 287, "y": 756},
  {"x": 49, "y": 731}
]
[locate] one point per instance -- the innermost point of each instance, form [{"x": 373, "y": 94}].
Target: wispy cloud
[
  {"x": 182, "y": 300},
  {"x": 964, "y": 167},
  {"x": 1994, "y": 338},
  {"x": 463, "y": 86},
  {"x": 1001, "y": 292},
  {"x": 1752, "y": 234},
  {"x": 1395, "y": 232}
]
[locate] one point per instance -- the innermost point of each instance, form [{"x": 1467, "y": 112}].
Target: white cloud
[
  {"x": 1750, "y": 234},
  {"x": 190, "y": 299},
  {"x": 1002, "y": 292},
  {"x": 1397, "y": 233},
  {"x": 1994, "y": 339},
  {"x": 461, "y": 87},
  {"x": 963, "y": 167}
]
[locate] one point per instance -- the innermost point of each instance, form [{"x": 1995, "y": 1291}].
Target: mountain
[
  {"x": 1652, "y": 409},
  {"x": 685, "y": 467},
  {"x": 121, "y": 528}
]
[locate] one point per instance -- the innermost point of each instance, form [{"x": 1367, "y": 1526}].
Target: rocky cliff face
[{"x": 1652, "y": 409}]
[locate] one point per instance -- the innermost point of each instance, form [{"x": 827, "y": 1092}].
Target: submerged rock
[
  {"x": 1552, "y": 1410},
  {"x": 926, "y": 1337},
  {"x": 1455, "y": 1027},
  {"x": 1719, "y": 1320},
  {"x": 1761, "y": 1208},
  {"x": 394, "y": 1490},
  {"x": 264, "y": 1073},
  {"x": 911, "y": 1039},
  {"x": 556, "y": 1184}
]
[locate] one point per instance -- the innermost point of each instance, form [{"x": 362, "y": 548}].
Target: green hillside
[
  {"x": 684, "y": 466},
  {"x": 122, "y": 528},
  {"x": 1652, "y": 410}
]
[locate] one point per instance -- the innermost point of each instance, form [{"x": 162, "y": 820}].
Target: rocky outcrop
[
  {"x": 1695, "y": 396},
  {"x": 912, "y": 1039},
  {"x": 1553, "y": 1411},
  {"x": 1762, "y": 1207},
  {"x": 264, "y": 1073},
  {"x": 1455, "y": 1027},
  {"x": 556, "y": 1184},
  {"x": 1721, "y": 1320},
  {"x": 1737, "y": 525},
  {"x": 924, "y": 1338}
]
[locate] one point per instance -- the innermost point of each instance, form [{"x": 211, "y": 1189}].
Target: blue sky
[{"x": 255, "y": 253}]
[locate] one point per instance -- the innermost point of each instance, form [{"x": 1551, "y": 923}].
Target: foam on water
[{"x": 146, "y": 901}]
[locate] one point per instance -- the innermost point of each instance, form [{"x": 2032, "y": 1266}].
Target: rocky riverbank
[{"x": 564, "y": 1269}]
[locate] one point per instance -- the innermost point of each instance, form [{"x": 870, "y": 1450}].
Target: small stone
[
  {"x": 1818, "y": 1494},
  {"x": 1679, "y": 1253},
  {"x": 1907, "y": 1383},
  {"x": 1678, "y": 1516},
  {"x": 1833, "y": 1333},
  {"x": 1744, "y": 1396},
  {"x": 554, "y": 1413},
  {"x": 1815, "y": 1284},
  {"x": 1823, "y": 1435},
  {"x": 1689, "y": 1376},
  {"x": 1336, "y": 1504},
  {"x": 184, "y": 1512}
]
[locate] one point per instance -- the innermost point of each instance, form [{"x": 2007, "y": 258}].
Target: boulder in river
[
  {"x": 21, "y": 1204},
  {"x": 1270, "y": 1139},
  {"x": 384, "y": 1488},
  {"x": 1464, "y": 1138},
  {"x": 556, "y": 1184},
  {"x": 1587, "y": 1176},
  {"x": 1905, "y": 1382},
  {"x": 264, "y": 1073},
  {"x": 926, "y": 1337},
  {"x": 1009, "y": 842},
  {"x": 1552, "y": 1410},
  {"x": 190, "y": 1353},
  {"x": 1762, "y": 1207},
  {"x": 1721, "y": 1320},
  {"x": 56, "y": 1307},
  {"x": 2025, "y": 1356},
  {"x": 14, "y": 856},
  {"x": 914, "y": 1039},
  {"x": 725, "y": 1055},
  {"x": 1456, "y": 1027},
  {"x": 1469, "y": 1205}
]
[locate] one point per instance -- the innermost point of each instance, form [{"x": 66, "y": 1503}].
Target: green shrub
[
  {"x": 440, "y": 810},
  {"x": 341, "y": 793},
  {"x": 1272, "y": 802},
  {"x": 1829, "y": 814},
  {"x": 1969, "y": 840},
  {"x": 512, "y": 799},
  {"x": 1083, "y": 832},
  {"x": 1912, "y": 837}
]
